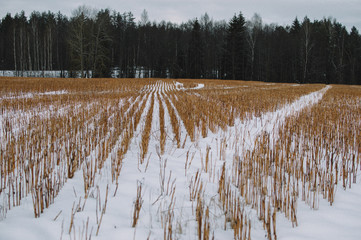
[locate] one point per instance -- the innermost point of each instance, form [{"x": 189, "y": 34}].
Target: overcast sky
[{"x": 282, "y": 12}]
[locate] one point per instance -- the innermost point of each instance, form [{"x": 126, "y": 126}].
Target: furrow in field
[
  {"x": 249, "y": 161},
  {"x": 18, "y": 121},
  {"x": 38, "y": 158},
  {"x": 75, "y": 152},
  {"x": 270, "y": 122},
  {"x": 31, "y": 95},
  {"x": 145, "y": 173},
  {"x": 120, "y": 196},
  {"x": 323, "y": 142},
  {"x": 216, "y": 152},
  {"x": 161, "y": 126},
  {"x": 176, "y": 122},
  {"x": 75, "y": 187},
  {"x": 147, "y": 130}
]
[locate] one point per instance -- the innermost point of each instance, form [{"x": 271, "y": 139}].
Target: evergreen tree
[
  {"x": 295, "y": 44},
  {"x": 101, "y": 45},
  {"x": 196, "y": 52},
  {"x": 234, "y": 49},
  {"x": 353, "y": 50},
  {"x": 306, "y": 46},
  {"x": 7, "y": 43}
]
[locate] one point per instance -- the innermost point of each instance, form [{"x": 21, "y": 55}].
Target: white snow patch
[
  {"x": 180, "y": 86},
  {"x": 54, "y": 93},
  {"x": 342, "y": 220}
]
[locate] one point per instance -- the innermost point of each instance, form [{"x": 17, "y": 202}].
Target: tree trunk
[
  {"x": 14, "y": 46},
  {"x": 21, "y": 51},
  {"x": 307, "y": 50},
  {"x": 29, "y": 55}
]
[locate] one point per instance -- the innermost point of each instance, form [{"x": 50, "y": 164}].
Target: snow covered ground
[{"x": 166, "y": 183}]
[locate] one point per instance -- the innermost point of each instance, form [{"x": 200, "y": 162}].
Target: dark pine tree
[
  {"x": 354, "y": 57},
  {"x": 196, "y": 52},
  {"x": 7, "y": 43},
  {"x": 234, "y": 58},
  {"x": 295, "y": 44}
]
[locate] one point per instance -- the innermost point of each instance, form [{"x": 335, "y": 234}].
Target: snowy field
[{"x": 178, "y": 159}]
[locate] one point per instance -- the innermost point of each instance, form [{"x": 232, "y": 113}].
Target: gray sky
[{"x": 282, "y": 12}]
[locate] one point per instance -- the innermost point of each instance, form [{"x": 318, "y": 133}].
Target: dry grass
[{"x": 46, "y": 138}]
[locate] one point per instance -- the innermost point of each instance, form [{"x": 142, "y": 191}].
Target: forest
[{"x": 105, "y": 43}]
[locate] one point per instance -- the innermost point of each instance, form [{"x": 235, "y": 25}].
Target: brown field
[{"x": 52, "y": 129}]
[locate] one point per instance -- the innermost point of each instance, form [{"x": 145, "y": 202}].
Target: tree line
[{"x": 107, "y": 43}]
